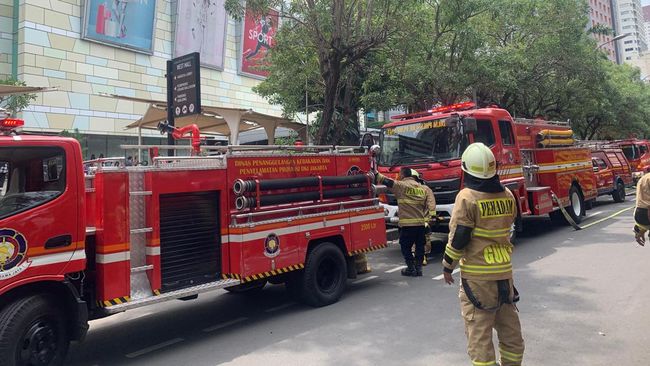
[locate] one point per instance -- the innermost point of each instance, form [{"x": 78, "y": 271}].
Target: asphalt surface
[{"x": 584, "y": 302}]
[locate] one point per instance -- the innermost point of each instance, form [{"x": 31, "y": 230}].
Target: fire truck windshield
[
  {"x": 421, "y": 142},
  {"x": 29, "y": 177}
]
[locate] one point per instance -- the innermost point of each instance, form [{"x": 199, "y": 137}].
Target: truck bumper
[{"x": 391, "y": 214}]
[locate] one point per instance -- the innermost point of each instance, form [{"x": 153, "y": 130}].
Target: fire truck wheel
[
  {"x": 33, "y": 332},
  {"x": 325, "y": 275},
  {"x": 576, "y": 207},
  {"x": 619, "y": 194}
]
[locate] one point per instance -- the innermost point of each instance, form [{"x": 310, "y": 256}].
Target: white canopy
[
  {"x": 219, "y": 120},
  {"x": 6, "y": 90}
]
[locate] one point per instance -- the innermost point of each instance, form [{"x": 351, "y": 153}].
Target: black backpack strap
[{"x": 474, "y": 300}]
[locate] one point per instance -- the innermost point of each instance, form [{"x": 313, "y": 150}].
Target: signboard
[
  {"x": 184, "y": 85},
  {"x": 201, "y": 27},
  {"x": 257, "y": 40},
  {"x": 122, "y": 23}
]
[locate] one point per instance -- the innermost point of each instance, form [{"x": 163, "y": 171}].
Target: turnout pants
[
  {"x": 479, "y": 324},
  {"x": 409, "y": 236}
]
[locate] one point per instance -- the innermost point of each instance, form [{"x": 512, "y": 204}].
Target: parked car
[{"x": 613, "y": 173}]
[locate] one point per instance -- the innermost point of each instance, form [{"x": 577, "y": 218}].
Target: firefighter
[
  {"x": 479, "y": 240},
  {"x": 430, "y": 213},
  {"x": 641, "y": 212},
  {"x": 412, "y": 203}
]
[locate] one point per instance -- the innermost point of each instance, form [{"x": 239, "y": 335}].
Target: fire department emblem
[
  {"x": 272, "y": 246},
  {"x": 13, "y": 250}
]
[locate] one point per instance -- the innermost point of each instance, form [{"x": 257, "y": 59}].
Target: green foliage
[
  {"x": 535, "y": 58},
  {"x": 15, "y": 103}
]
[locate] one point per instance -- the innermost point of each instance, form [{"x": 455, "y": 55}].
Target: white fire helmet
[{"x": 478, "y": 161}]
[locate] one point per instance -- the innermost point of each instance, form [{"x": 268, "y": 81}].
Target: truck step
[
  {"x": 142, "y": 269},
  {"x": 194, "y": 290}
]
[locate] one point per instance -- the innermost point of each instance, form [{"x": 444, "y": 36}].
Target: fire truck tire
[
  {"x": 33, "y": 332},
  {"x": 325, "y": 275},
  {"x": 576, "y": 208},
  {"x": 619, "y": 194}
]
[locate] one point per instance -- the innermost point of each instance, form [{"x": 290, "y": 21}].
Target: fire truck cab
[
  {"x": 535, "y": 158},
  {"x": 83, "y": 240},
  {"x": 637, "y": 152}
]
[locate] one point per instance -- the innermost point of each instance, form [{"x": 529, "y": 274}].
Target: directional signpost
[{"x": 183, "y": 88}]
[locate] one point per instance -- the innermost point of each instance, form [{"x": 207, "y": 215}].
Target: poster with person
[
  {"x": 123, "y": 23},
  {"x": 257, "y": 40},
  {"x": 201, "y": 27}
]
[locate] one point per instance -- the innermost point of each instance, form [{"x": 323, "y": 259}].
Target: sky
[{"x": 645, "y": 2}]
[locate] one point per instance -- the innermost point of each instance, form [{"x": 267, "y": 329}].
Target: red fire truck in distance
[
  {"x": 535, "y": 158},
  {"x": 637, "y": 153},
  {"x": 77, "y": 246}
]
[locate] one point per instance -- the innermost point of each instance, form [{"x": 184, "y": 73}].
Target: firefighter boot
[
  {"x": 418, "y": 267},
  {"x": 409, "y": 271}
]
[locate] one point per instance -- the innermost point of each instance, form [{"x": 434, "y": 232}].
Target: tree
[
  {"x": 340, "y": 35},
  {"x": 15, "y": 103}
]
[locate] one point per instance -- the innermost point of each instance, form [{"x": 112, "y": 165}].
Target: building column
[
  {"x": 270, "y": 132},
  {"x": 232, "y": 118}
]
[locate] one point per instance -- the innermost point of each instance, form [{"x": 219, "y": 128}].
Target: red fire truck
[
  {"x": 76, "y": 246},
  {"x": 535, "y": 158},
  {"x": 637, "y": 153}
]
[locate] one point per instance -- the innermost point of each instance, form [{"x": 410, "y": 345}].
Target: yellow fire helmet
[{"x": 478, "y": 161}]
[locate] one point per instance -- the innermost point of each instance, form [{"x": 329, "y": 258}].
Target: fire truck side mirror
[
  {"x": 469, "y": 125},
  {"x": 596, "y": 169}
]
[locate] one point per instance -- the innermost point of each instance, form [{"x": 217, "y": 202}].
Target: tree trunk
[{"x": 332, "y": 77}]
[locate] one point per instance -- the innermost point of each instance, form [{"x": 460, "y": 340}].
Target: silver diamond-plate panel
[
  {"x": 148, "y": 300},
  {"x": 140, "y": 286},
  {"x": 137, "y": 218}
]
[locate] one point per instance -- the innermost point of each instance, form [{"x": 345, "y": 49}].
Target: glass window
[
  {"x": 602, "y": 164},
  {"x": 643, "y": 149},
  {"x": 631, "y": 152},
  {"x": 484, "y": 132},
  {"x": 29, "y": 177},
  {"x": 507, "y": 137},
  {"x": 427, "y": 141}
]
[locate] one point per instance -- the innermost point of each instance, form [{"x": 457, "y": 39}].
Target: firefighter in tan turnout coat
[
  {"x": 641, "y": 214},
  {"x": 479, "y": 240},
  {"x": 415, "y": 207}
]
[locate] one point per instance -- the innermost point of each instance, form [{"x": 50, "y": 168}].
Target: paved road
[{"x": 584, "y": 302}]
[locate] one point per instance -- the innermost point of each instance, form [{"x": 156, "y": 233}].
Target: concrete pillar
[
  {"x": 233, "y": 118},
  {"x": 270, "y": 128}
]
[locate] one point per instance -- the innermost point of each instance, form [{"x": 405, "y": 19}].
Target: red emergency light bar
[
  {"x": 11, "y": 123},
  {"x": 443, "y": 109},
  {"x": 453, "y": 107}
]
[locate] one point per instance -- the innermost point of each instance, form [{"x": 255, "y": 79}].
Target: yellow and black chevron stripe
[
  {"x": 116, "y": 301},
  {"x": 369, "y": 249},
  {"x": 263, "y": 275}
]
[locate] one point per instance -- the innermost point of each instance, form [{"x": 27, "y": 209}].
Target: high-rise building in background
[
  {"x": 646, "y": 21},
  {"x": 630, "y": 20},
  {"x": 600, "y": 14}
]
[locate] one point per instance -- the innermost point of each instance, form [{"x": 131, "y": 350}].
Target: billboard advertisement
[
  {"x": 201, "y": 27},
  {"x": 257, "y": 40},
  {"x": 122, "y": 23}
]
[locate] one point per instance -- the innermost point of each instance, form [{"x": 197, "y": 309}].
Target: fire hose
[{"x": 566, "y": 215}]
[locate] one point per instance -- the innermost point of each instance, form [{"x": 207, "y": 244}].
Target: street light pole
[{"x": 620, "y": 36}]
